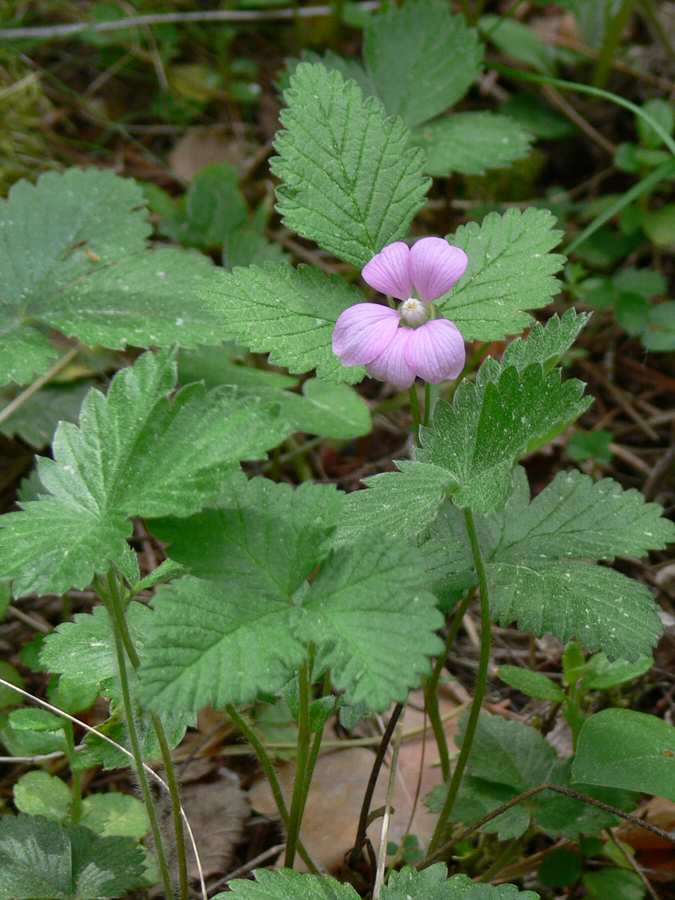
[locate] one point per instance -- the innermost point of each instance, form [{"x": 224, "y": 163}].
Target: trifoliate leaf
[
  {"x": 421, "y": 59},
  {"x": 577, "y": 518},
  {"x": 349, "y": 181},
  {"x": 471, "y": 142},
  {"x": 223, "y": 641},
  {"x": 545, "y": 344},
  {"x": 73, "y": 256},
  {"x": 286, "y": 883},
  {"x": 181, "y": 450},
  {"x": 401, "y": 503},
  {"x": 510, "y": 270},
  {"x": 602, "y": 608},
  {"x": 491, "y": 424},
  {"x": 360, "y": 612},
  {"x": 40, "y": 859},
  {"x": 288, "y": 313}
]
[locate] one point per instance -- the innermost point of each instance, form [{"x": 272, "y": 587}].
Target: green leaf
[
  {"x": 614, "y": 884},
  {"x": 213, "y": 207},
  {"x": 578, "y": 518},
  {"x": 246, "y": 631},
  {"x": 519, "y": 42},
  {"x": 362, "y": 607},
  {"x": 115, "y": 814},
  {"x": 349, "y": 181},
  {"x": 333, "y": 410},
  {"x": 350, "y": 69},
  {"x": 662, "y": 112},
  {"x": 429, "y": 884},
  {"x": 217, "y": 365},
  {"x": 421, "y": 59},
  {"x": 288, "y": 313},
  {"x": 624, "y": 749},
  {"x": 42, "y": 859},
  {"x": 545, "y": 344},
  {"x": 181, "y": 450},
  {"x": 285, "y": 883},
  {"x": 510, "y": 270},
  {"x": 601, "y": 674},
  {"x": 41, "y": 794},
  {"x": 401, "y": 503},
  {"x": 490, "y": 425},
  {"x": 532, "y": 684},
  {"x": 602, "y": 608},
  {"x": 471, "y": 143},
  {"x": 591, "y": 445},
  {"x": 73, "y": 256}
]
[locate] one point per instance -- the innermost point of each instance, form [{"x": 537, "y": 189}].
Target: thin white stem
[
  {"x": 149, "y": 772},
  {"x": 382, "y": 855}
]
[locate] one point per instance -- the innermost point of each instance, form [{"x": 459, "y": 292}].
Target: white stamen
[{"x": 413, "y": 311}]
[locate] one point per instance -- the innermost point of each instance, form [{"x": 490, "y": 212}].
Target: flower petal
[
  {"x": 389, "y": 271},
  {"x": 363, "y": 331},
  {"x": 435, "y": 351},
  {"x": 391, "y": 364},
  {"x": 435, "y": 266}
]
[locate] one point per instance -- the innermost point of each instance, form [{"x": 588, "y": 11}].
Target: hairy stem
[
  {"x": 268, "y": 768},
  {"x": 299, "y": 793},
  {"x": 481, "y": 684},
  {"x": 431, "y": 689},
  {"x": 115, "y": 601}
]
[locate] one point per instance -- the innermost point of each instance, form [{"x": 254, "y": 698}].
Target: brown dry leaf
[
  {"x": 201, "y": 147},
  {"x": 659, "y": 812},
  {"x": 339, "y": 783}
]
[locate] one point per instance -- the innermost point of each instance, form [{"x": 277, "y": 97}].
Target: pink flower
[{"x": 397, "y": 345}]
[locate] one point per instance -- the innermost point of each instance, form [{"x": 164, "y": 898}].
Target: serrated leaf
[
  {"x": 72, "y": 253},
  {"x": 471, "y": 143},
  {"x": 285, "y": 883},
  {"x": 360, "y": 612},
  {"x": 421, "y": 59},
  {"x": 350, "y": 69},
  {"x": 545, "y": 344},
  {"x": 401, "y": 503},
  {"x": 146, "y": 300},
  {"x": 41, "y": 859},
  {"x": 349, "y": 181},
  {"x": 578, "y": 518},
  {"x": 510, "y": 270},
  {"x": 491, "y": 423},
  {"x": 432, "y": 884},
  {"x": 135, "y": 452},
  {"x": 602, "y": 608},
  {"x": 225, "y": 640},
  {"x": 288, "y": 313}
]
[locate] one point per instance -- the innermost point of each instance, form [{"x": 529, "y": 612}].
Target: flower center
[{"x": 413, "y": 312}]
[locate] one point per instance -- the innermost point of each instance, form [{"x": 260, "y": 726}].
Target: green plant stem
[
  {"x": 74, "y": 771},
  {"x": 481, "y": 684},
  {"x": 427, "y": 403},
  {"x": 431, "y": 689},
  {"x": 299, "y": 794},
  {"x": 615, "y": 28},
  {"x": 138, "y": 758},
  {"x": 415, "y": 406},
  {"x": 116, "y": 605},
  {"x": 268, "y": 768},
  {"x": 593, "y": 91}
]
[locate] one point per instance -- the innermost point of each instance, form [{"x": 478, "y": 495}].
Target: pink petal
[
  {"x": 391, "y": 364},
  {"x": 389, "y": 271},
  {"x": 435, "y": 351},
  {"x": 363, "y": 331},
  {"x": 435, "y": 266}
]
